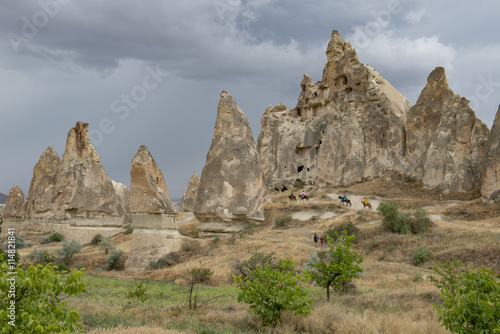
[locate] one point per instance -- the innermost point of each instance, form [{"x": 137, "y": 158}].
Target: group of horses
[
  {"x": 343, "y": 201},
  {"x": 293, "y": 198},
  {"x": 347, "y": 202}
]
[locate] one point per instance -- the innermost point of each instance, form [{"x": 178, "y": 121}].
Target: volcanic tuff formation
[
  {"x": 148, "y": 190},
  {"x": 76, "y": 186},
  {"x": 490, "y": 189},
  {"x": 189, "y": 197},
  {"x": 232, "y": 190},
  {"x": 445, "y": 141},
  {"x": 348, "y": 127},
  {"x": 15, "y": 203}
]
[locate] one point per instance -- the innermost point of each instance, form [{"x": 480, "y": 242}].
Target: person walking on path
[
  {"x": 321, "y": 240},
  {"x": 315, "y": 240}
]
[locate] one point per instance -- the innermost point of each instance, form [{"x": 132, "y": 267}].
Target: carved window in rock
[{"x": 300, "y": 168}]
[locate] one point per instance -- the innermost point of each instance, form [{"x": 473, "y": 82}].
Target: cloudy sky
[{"x": 151, "y": 72}]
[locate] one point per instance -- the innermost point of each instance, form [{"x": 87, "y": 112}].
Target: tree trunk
[{"x": 328, "y": 293}]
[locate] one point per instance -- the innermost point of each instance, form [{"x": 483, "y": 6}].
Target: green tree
[
  {"x": 416, "y": 221},
  {"x": 68, "y": 250},
  {"x": 269, "y": 291},
  {"x": 338, "y": 265},
  {"x": 471, "y": 298},
  {"x": 38, "y": 299}
]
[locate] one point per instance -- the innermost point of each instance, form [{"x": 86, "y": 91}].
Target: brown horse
[
  {"x": 346, "y": 201},
  {"x": 304, "y": 198},
  {"x": 292, "y": 198},
  {"x": 366, "y": 205}
]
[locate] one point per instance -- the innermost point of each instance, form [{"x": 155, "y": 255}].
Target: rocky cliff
[
  {"x": 16, "y": 202},
  {"x": 232, "y": 191},
  {"x": 189, "y": 197},
  {"x": 445, "y": 141},
  {"x": 346, "y": 128},
  {"x": 490, "y": 189}
]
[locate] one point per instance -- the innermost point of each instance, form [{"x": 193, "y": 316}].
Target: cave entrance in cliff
[
  {"x": 299, "y": 169},
  {"x": 157, "y": 180}
]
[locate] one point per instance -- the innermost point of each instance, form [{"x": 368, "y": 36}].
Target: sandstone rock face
[
  {"x": 148, "y": 191},
  {"x": 348, "y": 127},
  {"x": 16, "y": 201},
  {"x": 490, "y": 189},
  {"x": 123, "y": 195},
  {"x": 445, "y": 141},
  {"x": 189, "y": 197},
  {"x": 41, "y": 193},
  {"x": 232, "y": 190}
]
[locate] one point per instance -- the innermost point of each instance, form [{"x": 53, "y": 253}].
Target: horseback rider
[
  {"x": 303, "y": 193},
  {"x": 345, "y": 197},
  {"x": 366, "y": 200}
]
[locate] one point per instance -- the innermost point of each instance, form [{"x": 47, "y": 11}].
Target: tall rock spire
[
  {"x": 232, "y": 190},
  {"x": 490, "y": 189},
  {"x": 189, "y": 197},
  {"x": 445, "y": 141}
]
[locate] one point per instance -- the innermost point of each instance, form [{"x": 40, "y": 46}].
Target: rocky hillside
[{"x": 3, "y": 198}]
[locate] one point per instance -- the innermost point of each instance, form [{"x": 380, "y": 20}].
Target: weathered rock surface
[
  {"x": 348, "y": 127},
  {"x": 15, "y": 204},
  {"x": 148, "y": 191},
  {"x": 123, "y": 195},
  {"x": 445, "y": 141},
  {"x": 490, "y": 189},
  {"x": 41, "y": 193},
  {"x": 189, "y": 197},
  {"x": 232, "y": 190}
]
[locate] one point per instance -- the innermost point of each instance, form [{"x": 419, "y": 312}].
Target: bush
[
  {"x": 349, "y": 227},
  {"x": 19, "y": 242},
  {"x": 96, "y": 239},
  {"x": 190, "y": 246},
  {"x": 281, "y": 222},
  {"x": 68, "y": 250},
  {"x": 269, "y": 291},
  {"x": 417, "y": 221},
  {"x": 167, "y": 260},
  {"x": 53, "y": 237},
  {"x": 41, "y": 256},
  {"x": 106, "y": 245},
  {"x": 420, "y": 255},
  {"x": 128, "y": 229},
  {"x": 299, "y": 184},
  {"x": 195, "y": 276},
  {"x": 257, "y": 259},
  {"x": 139, "y": 293},
  {"x": 471, "y": 298},
  {"x": 115, "y": 259},
  {"x": 39, "y": 302}
]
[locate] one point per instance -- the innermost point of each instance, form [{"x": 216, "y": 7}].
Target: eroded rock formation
[
  {"x": 189, "y": 197},
  {"x": 16, "y": 201},
  {"x": 490, "y": 189},
  {"x": 148, "y": 190},
  {"x": 348, "y": 127},
  {"x": 232, "y": 191},
  {"x": 155, "y": 230},
  {"x": 445, "y": 141}
]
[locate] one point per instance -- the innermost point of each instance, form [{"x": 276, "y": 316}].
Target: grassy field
[{"x": 394, "y": 295}]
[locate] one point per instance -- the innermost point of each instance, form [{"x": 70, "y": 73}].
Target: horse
[
  {"x": 366, "y": 205},
  {"x": 304, "y": 198},
  {"x": 346, "y": 201},
  {"x": 292, "y": 198}
]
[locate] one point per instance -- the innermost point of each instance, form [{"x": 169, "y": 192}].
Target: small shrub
[
  {"x": 216, "y": 240},
  {"x": 190, "y": 246},
  {"x": 96, "y": 239},
  {"x": 53, "y": 237},
  {"x": 167, "y": 260},
  {"x": 283, "y": 221},
  {"x": 68, "y": 250},
  {"x": 417, "y": 221},
  {"x": 19, "y": 242},
  {"x": 421, "y": 255},
  {"x": 128, "y": 229},
  {"x": 106, "y": 245},
  {"x": 138, "y": 294},
  {"x": 115, "y": 259},
  {"x": 41, "y": 256},
  {"x": 299, "y": 184},
  {"x": 349, "y": 227},
  {"x": 257, "y": 259}
]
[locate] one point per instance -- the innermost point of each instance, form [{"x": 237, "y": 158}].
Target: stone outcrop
[
  {"x": 445, "y": 141},
  {"x": 155, "y": 230},
  {"x": 123, "y": 195},
  {"x": 74, "y": 195},
  {"x": 16, "y": 201},
  {"x": 40, "y": 202},
  {"x": 346, "y": 128},
  {"x": 189, "y": 197},
  {"x": 490, "y": 189},
  {"x": 148, "y": 190},
  {"x": 232, "y": 190}
]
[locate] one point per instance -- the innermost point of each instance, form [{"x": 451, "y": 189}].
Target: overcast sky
[{"x": 151, "y": 72}]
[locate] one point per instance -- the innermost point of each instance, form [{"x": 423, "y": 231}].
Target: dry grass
[{"x": 135, "y": 330}]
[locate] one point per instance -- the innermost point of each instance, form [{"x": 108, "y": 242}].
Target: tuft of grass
[{"x": 283, "y": 221}]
